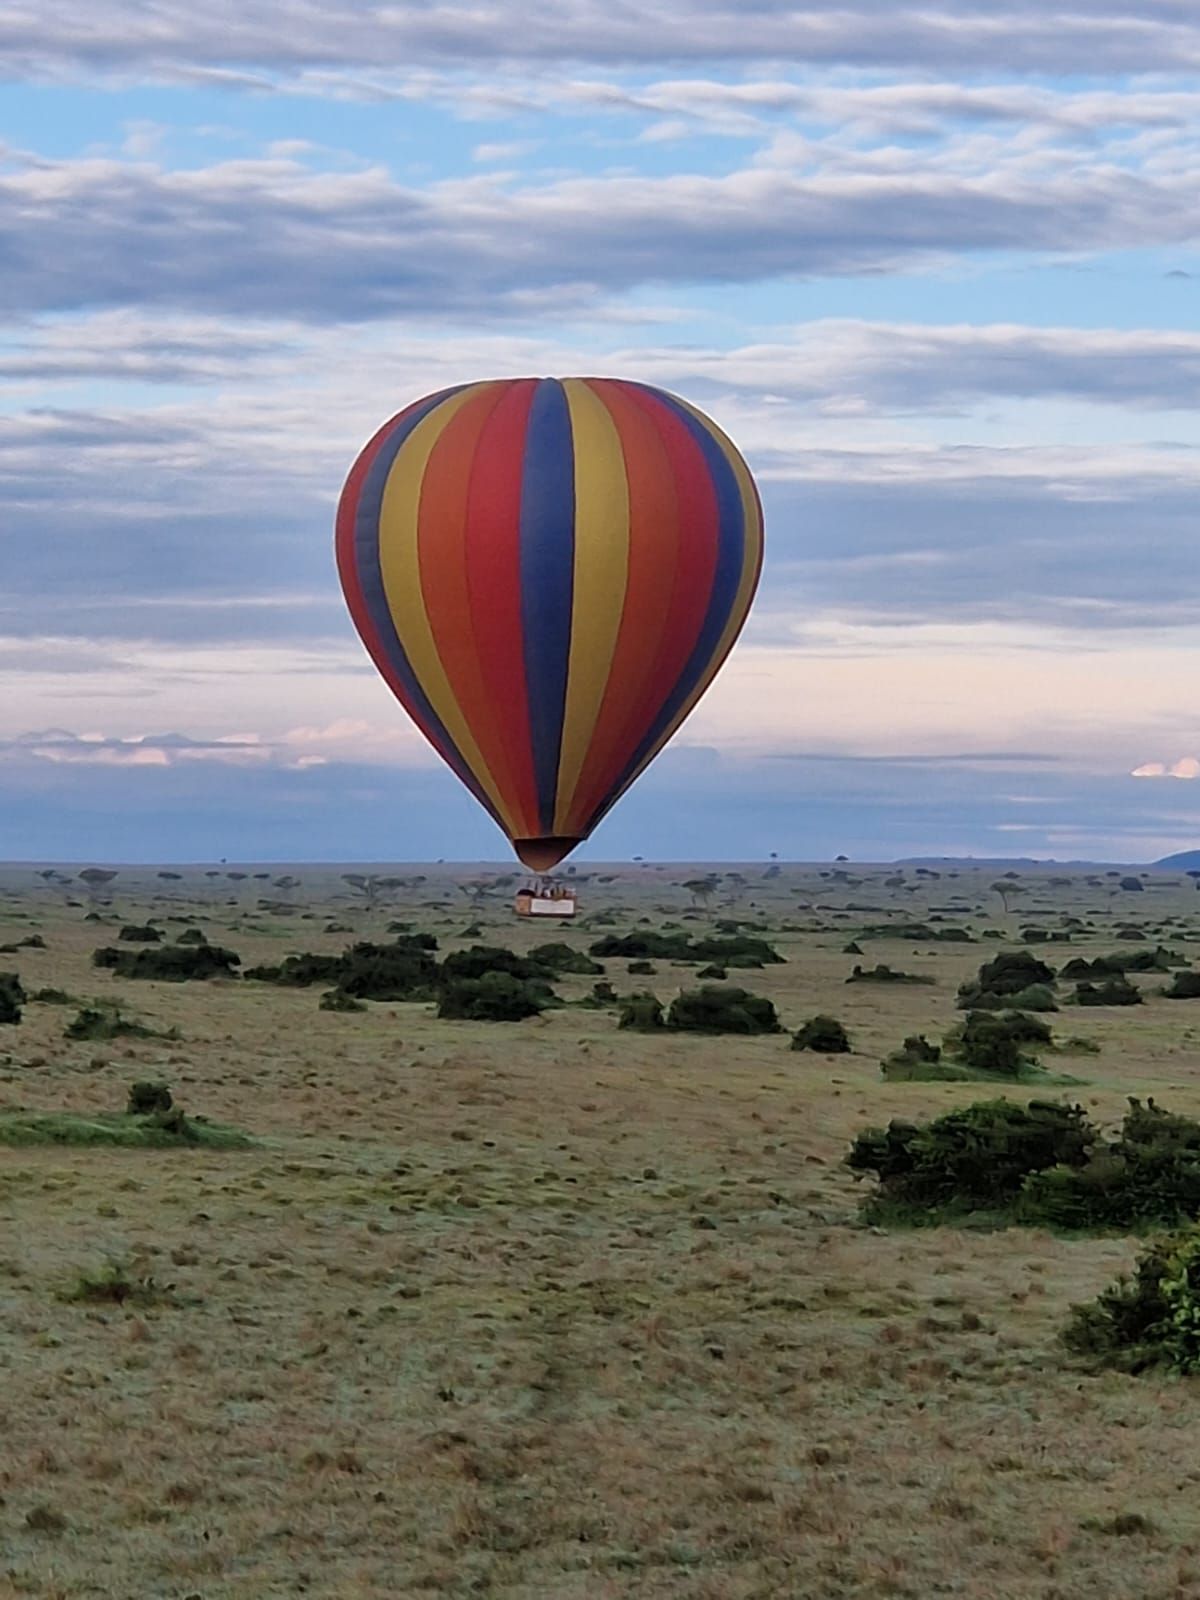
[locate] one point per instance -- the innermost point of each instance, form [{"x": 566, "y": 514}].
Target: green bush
[
  {"x": 148, "y": 1096},
  {"x": 402, "y": 970},
  {"x": 170, "y": 963},
  {"x": 990, "y": 1041},
  {"x": 913, "y": 932},
  {"x": 1112, "y": 992},
  {"x": 717, "y": 1008},
  {"x": 644, "y": 946},
  {"x": 824, "y": 1034},
  {"x": 641, "y": 1012},
  {"x": 192, "y": 936},
  {"x": 150, "y": 1122},
  {"x": 972, "y": 1160},
  {"x": 12, "y": 997},
  {"x": 1184, "y": 986},
  {"x": 1159, "y": 959},
  {"x": 558, "y": 959},
  {"x": 115, "y": 1284},
  {"x": 711, "y": 973},
  {"x": 1149, "y": 1174},
  {"x": 481, "y": 959},
  {"x": 1045, "y": 1167},
  {"x": 1038, "y": 997},
  {"x": 603, "y": 994},
  {"x": 1011, "y": 973},
  {"x": 339, "y": 1000},
  {"x": 908, "y": 1066},
  {"x": 104, "y": 1021},
  {"x": 884, "y": 974},
  {"x": 1149, "y": 1320},
  {"x": 135, "y": 933},
  {"x": 734, "y": 950},
  {"x": 492, "y": 997},
  {"x": 641, "y": 969}
]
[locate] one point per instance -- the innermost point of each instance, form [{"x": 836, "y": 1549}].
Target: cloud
[
  {"x": 285, "y": 36},
  {"x": 298, "y": 750},
  {"x": 837, "y": 367},
  {"x": 1187, "y": 767},
  {"x": 278, "y": 238}
]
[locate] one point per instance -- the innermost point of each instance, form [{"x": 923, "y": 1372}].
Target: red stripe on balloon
[
  {"x": 682, "y": 614},
  {"x": 443, "y": 520},
  {"x": 653, "y": 558},
  {"x": 493, "y": 569}
]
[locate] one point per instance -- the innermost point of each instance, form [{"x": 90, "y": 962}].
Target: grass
[
  {"x": 592, "y": 1310},
  {"x": 24, "y": 1129},
  {"x": 116, "y": 1283}
]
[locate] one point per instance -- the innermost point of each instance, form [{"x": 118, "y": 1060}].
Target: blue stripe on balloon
[
  {"x": 547, "y": 535},
  {"x": 727, "y": 577},
  {"x": 370, "y": 577}
]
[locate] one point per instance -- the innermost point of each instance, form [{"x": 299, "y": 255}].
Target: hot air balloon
[{"x": 549, "y": 574}]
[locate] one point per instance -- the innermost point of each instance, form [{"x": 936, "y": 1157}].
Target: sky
[{"x": 934, "y": 267}]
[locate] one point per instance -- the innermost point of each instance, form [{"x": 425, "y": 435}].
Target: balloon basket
[{"x": 544, "y": 898}]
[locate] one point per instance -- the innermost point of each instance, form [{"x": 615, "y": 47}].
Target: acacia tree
[
  {"x": 1006, "y": 890},
  {"x": 702, "y": 889},
  {"x": 362, "y": 883},
  {"x": 97, "y": 878}
]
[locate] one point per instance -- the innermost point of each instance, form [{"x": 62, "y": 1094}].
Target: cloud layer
[
  {"x": 173, "y": 39},
  {"x": 277, "y": 237}
]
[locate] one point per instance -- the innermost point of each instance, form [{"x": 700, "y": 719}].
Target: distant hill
[
  {"x": 1186, "y": 860},
  {"x": 994, "y": 861}
]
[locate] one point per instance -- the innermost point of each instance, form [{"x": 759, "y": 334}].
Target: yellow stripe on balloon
[
  {"x": 752, "y": 545},
  {"x": 601, "y": 574},
  {"x": 399, "y": 559}
]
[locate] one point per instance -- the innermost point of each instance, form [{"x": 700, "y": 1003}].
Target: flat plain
[{"x": 555, "y": 1310}]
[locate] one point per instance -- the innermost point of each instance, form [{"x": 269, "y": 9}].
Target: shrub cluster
[
  {"x": 823, "y": 1034},
  {"x": 713, "y": 1008},
  {"x": 560, "y": 959},
  {"x": 642, "y": 1012},
  {"x": 972, "y": 1160},
  {"x": 169, "y": 963},
  {"x": 919, "y": 1061},
  {"x": 1044, "y": 1165},
  {"x": 1149, "y": 1320},
  {"x": 1116, "y": 991},
  {"x": 1160, "y": 959},
  {"x": 881, "y": 973},
  {"x": 403, "y": 970},
  {"x": 137, "y": 933},
  {"x": 732, "y": 950},
  {"x": 151, "y": 1120},
  {"x": 12, "y": 997},
  {"x": 493, "y": 996},
  {"x": 1013, "y": 980},
  {"x": 339, "y": 1000},
  {"x": 719, "y": 1008},
  {"x": 463, "y": 983},
  {"x": 916, "y": 933},
  {"x": 104, "y": 1021}
]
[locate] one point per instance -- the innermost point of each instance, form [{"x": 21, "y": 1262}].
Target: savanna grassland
[{"x": 551, "y": 1309}]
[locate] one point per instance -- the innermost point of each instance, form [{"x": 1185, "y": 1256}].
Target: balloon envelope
[{"x": 548, "y": 574}]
